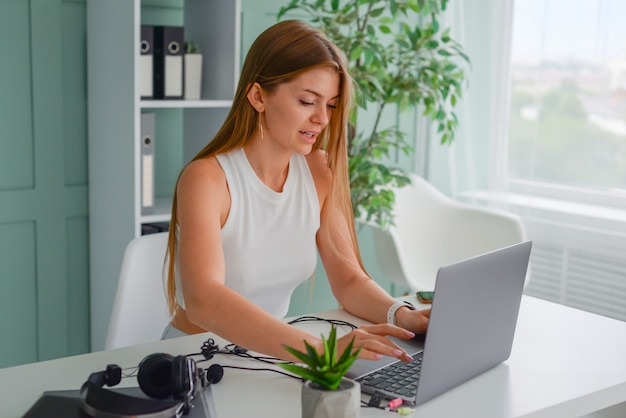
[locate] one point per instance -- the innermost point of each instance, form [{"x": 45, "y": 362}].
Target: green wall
[{"x": 43, "y": 181}]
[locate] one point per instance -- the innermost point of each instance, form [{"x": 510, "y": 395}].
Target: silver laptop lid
[{"x": 473, "y": 318}]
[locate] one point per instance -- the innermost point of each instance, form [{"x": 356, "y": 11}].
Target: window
[
  {"x": 566, "y": 157},
  {"x": 568, "y": 95}
]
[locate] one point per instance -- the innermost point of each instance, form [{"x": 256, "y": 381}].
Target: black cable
[
  {"x": 209, "y": 348},
  {"x": 243, "y": 352},
  {"x": 308, "y": 318},
  {"x": 133, "y": 373},
  {"x": 264, "y": 370}
]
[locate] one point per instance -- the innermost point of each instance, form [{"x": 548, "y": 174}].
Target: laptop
[{"x": 471, "y": 329}]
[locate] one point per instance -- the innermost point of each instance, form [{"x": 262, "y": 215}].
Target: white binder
[
  {"x": 146, "y": 62},
  {"x": 147, "y": 163}
]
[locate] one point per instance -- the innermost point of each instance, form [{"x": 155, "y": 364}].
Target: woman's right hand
[{"x": 373, "y": 341}]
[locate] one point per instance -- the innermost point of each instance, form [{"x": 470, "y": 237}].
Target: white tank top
[{"x": 269, "y": 237}]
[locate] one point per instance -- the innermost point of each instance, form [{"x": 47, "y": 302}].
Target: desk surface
[{"x": 564, "y": 362}]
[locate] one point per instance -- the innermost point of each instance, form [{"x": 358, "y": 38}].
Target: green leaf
[
  {"x": 331, "y": 346},
  {"x": 393, "y": 8},
  {"x": 314, "y": 359},
  {"x": 377, "y": 12},
  {"x": 356, "y": 53},
  {"x": 299, "y": 355},
  {"x": 432, "y": 44},
  {"x": 299, "y": 371},
  {"x": 435, "y": 24}
]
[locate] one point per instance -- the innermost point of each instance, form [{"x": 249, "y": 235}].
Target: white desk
[{"x": 565, "y": 363}]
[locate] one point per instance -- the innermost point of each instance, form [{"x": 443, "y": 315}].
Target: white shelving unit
[{"x": 114, "y": 110}]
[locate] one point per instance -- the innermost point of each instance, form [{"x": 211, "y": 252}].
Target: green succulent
[{"x": 325, "y": 369}]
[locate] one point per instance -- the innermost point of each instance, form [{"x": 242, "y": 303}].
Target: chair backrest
[
  {"x": 140, "y": 309},
  {"x": 432, "y": 230}
]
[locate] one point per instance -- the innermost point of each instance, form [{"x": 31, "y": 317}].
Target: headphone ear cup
[
  {"x": 155, "y": 375},
  {"x": 214, "y": 374},
  {"x": 183, "y": 369}
]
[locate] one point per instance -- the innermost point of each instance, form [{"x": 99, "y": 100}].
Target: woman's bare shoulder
[
  {"x": 203, "y": 182},
  {"x": 205, "y": 172},
  {"x": 202, "y": 190}
]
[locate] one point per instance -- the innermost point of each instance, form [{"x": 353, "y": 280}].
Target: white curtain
[{"x": 483, "y": 28}]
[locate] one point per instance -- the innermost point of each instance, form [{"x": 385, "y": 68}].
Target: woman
[{"x": 272, "y": 186}]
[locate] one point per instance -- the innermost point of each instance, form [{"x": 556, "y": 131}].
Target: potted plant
[
  {"x": 193, "y": 71},
  {"x": 399, "y": 56},
  {"x": 326, "y": 392}
]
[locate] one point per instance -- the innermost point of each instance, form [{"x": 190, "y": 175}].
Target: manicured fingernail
[
  {"x": 408, "y": 357},
  {"x": 410, "y": 334},
  {"x": 398, "y": 353}
]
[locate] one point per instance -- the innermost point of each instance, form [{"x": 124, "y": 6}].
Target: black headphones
[{"x": 170, "y": 383}]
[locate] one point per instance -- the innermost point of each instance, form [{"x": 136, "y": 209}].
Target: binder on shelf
[
  {"x": 146, "y": 62},
  {"x": 169, "y": 49},
  {"x": 147, "y": 163}
]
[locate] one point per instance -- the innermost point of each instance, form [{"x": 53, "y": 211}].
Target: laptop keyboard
[{"x": 396, "y": 380}]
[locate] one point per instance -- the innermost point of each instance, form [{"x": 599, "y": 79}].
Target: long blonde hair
[{"x": 277, "y": 56}]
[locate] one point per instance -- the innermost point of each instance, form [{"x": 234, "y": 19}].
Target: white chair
[
  {"x": 432, "y": 230},
  {"x": 140, "y": 309}
]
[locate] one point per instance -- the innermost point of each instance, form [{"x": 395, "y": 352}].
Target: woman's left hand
[{"x": 415, "y": 321}]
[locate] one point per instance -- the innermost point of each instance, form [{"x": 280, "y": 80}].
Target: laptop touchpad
[{"x": 362, "y": 367}]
